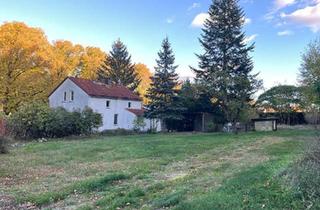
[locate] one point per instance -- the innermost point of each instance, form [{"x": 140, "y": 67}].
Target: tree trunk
[{"x": 5, "y": 101}]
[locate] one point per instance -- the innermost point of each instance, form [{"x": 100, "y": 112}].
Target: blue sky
[{"x": 281, "y": 29}]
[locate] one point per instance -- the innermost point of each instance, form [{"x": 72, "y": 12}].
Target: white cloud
[
  {"x": 247, "y": 21},
  {"x": 308, "y": 16},
  {"x": 285, "y": 33},
  {"x": 170, "y": 20},
  {"x": 199, "y": 20},
  {"x": 279, "y": 4},
  {"x": 250, "y": 38},
  {"x": 193, "y": 6}
]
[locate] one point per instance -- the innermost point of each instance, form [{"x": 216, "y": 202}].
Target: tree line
[
  {"x": 224, "y": 83},
  {"x": 287, "y": 101}
]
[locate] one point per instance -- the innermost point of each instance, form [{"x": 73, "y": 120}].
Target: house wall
[
  {"x": 125, "y": 118},
  {"x": 81, "y": 99}
]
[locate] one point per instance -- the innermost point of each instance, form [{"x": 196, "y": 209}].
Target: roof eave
[{"x": 110, "y": 97}]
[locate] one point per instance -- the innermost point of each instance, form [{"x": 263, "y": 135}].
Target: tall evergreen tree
[
  {"x": 162, "y": 95},
  {"x": 117, "y": 68},
  {"x": 225, "y": 66}
]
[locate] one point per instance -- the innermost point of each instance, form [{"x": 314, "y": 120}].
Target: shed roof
[
  {"x": 265, "y": 119},
  {"x": 137, "y": 112}
]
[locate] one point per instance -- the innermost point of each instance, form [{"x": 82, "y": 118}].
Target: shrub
[
  {"x": 139, "y": 124},
  {"x": 90, "y": 120},
  {"x": 40, "y": 121},
  {"x": 58, "y": 124},
  {"x": 212, "y": 127},
  {"x": 29, "y": 121}
]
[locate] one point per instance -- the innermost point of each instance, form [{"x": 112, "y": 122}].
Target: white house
[{"x": 118, "y": 105}]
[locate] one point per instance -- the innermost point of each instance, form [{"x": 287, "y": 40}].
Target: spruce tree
[
  {"x": 117, "y": 68},
  {"x": 225, "y": 67},
  {"x": 162, "y": 94}
]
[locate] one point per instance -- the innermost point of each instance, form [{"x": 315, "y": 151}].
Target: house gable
[{"x": 69, "y": 96}]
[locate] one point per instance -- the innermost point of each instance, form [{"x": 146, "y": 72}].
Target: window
[
  {"x": 72, "y": 96},
  {"x": 65, "y": 96},
  {"x": 129, "y": 104},
  {"x": 108, "y": 104},
  {"x": 115, "y": 119}
]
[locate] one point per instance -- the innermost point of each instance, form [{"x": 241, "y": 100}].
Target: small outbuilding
[{"x": 265, "y": 124}]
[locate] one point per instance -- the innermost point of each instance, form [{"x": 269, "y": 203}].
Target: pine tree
[
  {"x": 117, "y": 68},
  {"x": 162, "y": 94},
  {"x": 225, "y": 66}
]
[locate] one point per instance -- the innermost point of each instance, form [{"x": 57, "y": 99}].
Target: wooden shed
[{"x": 265, "y": 124}]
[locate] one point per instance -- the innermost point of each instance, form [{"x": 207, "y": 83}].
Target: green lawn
[{"x": 175, "y": 171}]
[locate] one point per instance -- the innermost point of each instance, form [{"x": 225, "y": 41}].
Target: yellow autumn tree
[
  {"x": 74, "y": 60},
  {"x": 91, "y": 60},
  {"x": 66, "y": 60},
  {"x": 24, "y": 64},
  {"x": 145, "y": 74}
]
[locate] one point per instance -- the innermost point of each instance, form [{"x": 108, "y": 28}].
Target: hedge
[{"x": 40, "y": 121}]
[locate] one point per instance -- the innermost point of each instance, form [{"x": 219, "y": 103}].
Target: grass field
[{"x": 163, "y": 171}]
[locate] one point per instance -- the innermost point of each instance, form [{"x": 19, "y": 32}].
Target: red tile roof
[
  {"x": 100, "y": 90},
  {"x": 137, "y": 112}
]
